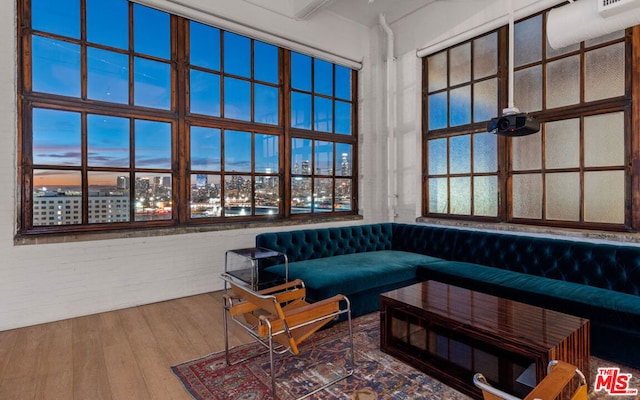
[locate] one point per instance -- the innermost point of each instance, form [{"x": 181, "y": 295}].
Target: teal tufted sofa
[{"x": 596, "y": 281}]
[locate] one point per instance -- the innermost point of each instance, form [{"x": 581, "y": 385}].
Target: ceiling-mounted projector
[{"x": 516, "y": 124}]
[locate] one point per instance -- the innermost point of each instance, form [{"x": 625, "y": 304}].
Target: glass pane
[
  {"x": 108, "y": 78},
  {"x": 460, "y": 64},
  {"x": 606, "y": 38},
  {"x": 108, "y": 22},
  {"x": 56, "y": 137},
  {"x": 108, "y": 141},
  {"x": 437, "y": 110},
  {"x": 323, "y": 195},
  {"x": 237, "y": 151},
  {"x": 61, "y": 17},
  {"x": 151, "y": 32},
  {"x": 322, "y": 77},
  {"x": 237, "y": 99},
  {"x": 265, "y": 61},
  {"x": 204, "y": 93},
  {"x": 485, "y": 56},
  {"x": 343, "y": 159},
  {"x": 108, "y": 201},
  {"x": 437, "y": 71},
  {"x": 237, "y": 195},
  {"x": 563, "y": 196},
  {"x": 322, "y": 114},
  {"x": 300, "y": 195},
  {"x": 53, "y": 192},
  {"x": 485, "y": 196},
  {"x": 562, "y": 143},
  {"x": 266, "y": 154},
  {"x": 343, "y": 117},
  {"x": 237, "y": 55},
  {"x": 267, "y": 195},
  {"x": 205, "y": 149},
  {"x": 485, "y": 153},
  {"x": 152, "y": 84},
  {"x": 56, "y": 67},
  {"x": 527, "y": 89},
  {"x": 485, "y": 100},
  {"x": 528, "y": 41},
  {"x": 343, "y": 195},
  {"x": 604, "y": 75},
  {"x": 153, "y": 197},
  {"x": 301, "y": 157},
  {"x": 205, "y": 196},
  {"x": 460, "y": 154},
  {"x": 266, "y": 104},
  {"x": 438, "y": 157},
  {"x": 461, "y": 196},
  {"x": 300, "y": 71},
  {"x": 204, "y": 45},
  {"x": 300, "y": 110},
  {"x": 526, "y": 152},
  {"x": 438, "y": 196},
  {"x": 551, "y": 52},
  {"x": 527, "y": 196},
  {"x": 323, "y": 161},
  {"x": 604, "y": 140},
  {"x": 153, "y": 144},
  {"x": 343, "y": 82},
  {"x": 460, "y": 103},
  {"x": 604, "y": 197},
  {"x": 563, "y": 83}
]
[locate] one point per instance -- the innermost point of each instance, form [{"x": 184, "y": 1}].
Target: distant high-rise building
[
  {"x": 305, "y": 167},
  {"x": 344, "y": 165},
  {"x": 123, "y": 182},
  {"x": 202, "y": 181}
]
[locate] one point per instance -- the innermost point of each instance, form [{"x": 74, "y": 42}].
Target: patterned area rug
[{"x": 377, "y": 375}]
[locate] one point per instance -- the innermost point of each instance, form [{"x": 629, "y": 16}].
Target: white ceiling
[{"x": 366, "y": 12}]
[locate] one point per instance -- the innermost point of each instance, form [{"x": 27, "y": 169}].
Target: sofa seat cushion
[
  {"x": 602, "y": 305},
  {"x": 354, "y": 273}
]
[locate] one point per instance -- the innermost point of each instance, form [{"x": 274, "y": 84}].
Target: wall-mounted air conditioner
[{"x": 607, "y": 8}]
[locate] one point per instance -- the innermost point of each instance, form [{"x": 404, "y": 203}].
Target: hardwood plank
[
  {"x": 89, "y": 368},
  {"x": 54, "y": 371}
]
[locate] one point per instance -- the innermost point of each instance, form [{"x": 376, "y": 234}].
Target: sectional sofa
[{"x": 596, "y": 281}]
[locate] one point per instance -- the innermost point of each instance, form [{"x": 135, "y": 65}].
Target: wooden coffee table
[{"x": 451, "y": 333}]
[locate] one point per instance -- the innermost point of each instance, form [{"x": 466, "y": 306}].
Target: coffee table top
[{"x": 519, "y": 322}]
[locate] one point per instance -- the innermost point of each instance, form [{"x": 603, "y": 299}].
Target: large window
[
  {"x": 572, "y": 173},
  {"x": 132, "y": 117}
]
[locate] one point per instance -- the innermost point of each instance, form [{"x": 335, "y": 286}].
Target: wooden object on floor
[
  {"x": 451, "y": 333},
  {"x": 280, "y": 319},
  {"x": 563, "y": 381}
]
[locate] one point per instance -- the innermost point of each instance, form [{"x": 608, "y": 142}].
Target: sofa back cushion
[
  {"x": 600, "y": 265},
  {"x": 308, "y": 244},
  {"x": 434, "y": 241}
]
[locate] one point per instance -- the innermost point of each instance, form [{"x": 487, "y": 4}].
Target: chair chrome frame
[{"x": 279, "y": 319}]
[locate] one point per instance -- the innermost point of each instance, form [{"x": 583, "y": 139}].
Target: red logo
[{"x": 614, "y": 382}]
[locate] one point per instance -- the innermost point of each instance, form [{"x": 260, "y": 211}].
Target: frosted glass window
[
  {"x": 438, "y": 195},
  {"x": 460, "y": 64},
  {"x": 562, "y": 143},
  {"x": 485, "y": 56},
  {"x": 461, "y": 196},
  {"x": 485, "y": 100},
  {"x": 460, "y": 104},
  {"x": 528, "y": 41},
  {"x": 551, "y": 52},
  {"x": 527, "y": 89},
  {"x": 604, "y": 140},
  {"x": 485, "y": 153},
  {"x": 437, "y": 68},
  {"x": 527, "y": 196},
  {"x": 527, "y": 152},
  {"x": 604, "y": 72},
  {"x": 438, "y": 157},
  {"x": 605, "y": 38},
  {"x": 604, "y": 197},
  {"x": 460, "y": 157},
  {"x": 437, "y": 110},
  {"x": 485, "y": 196},
  {"x": 563, "y": 82},
  {"x": 563, "y": 196}
]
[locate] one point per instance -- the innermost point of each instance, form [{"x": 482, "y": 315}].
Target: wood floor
[{"x": 124, "y": 354}]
